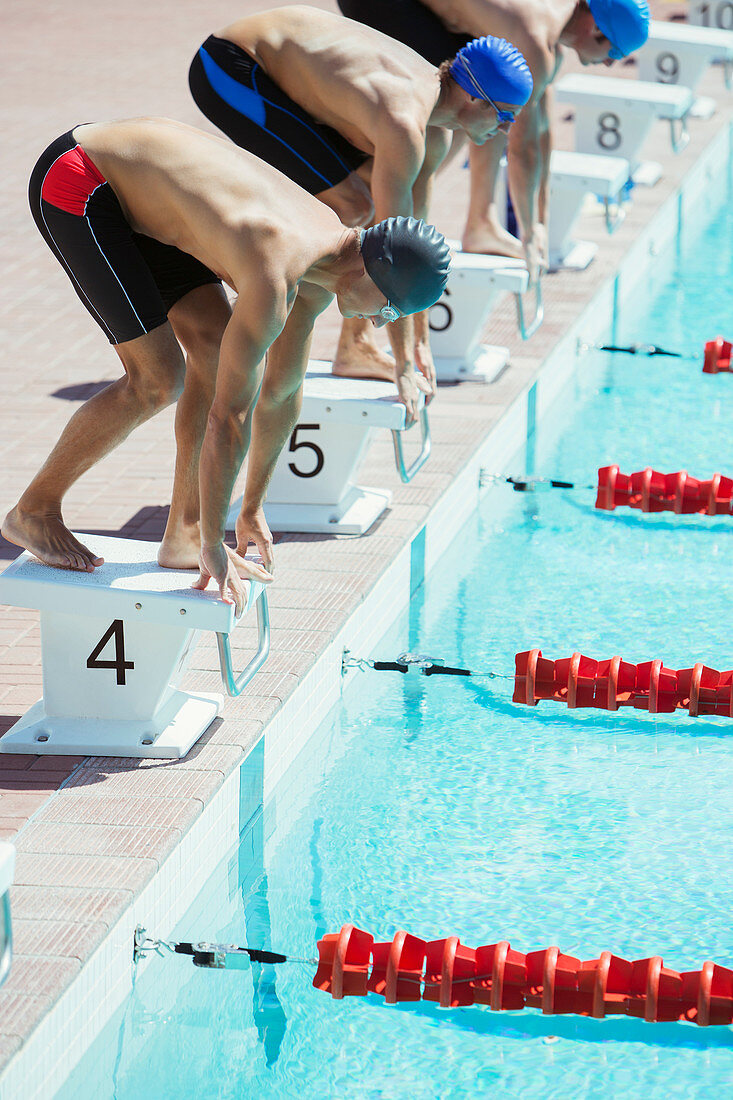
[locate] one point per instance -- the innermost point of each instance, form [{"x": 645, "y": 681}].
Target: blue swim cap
[
  {"x": 408, "y": 260},
  {"x": 491, "y": 68},
  {"x": 625, "y": 24}
]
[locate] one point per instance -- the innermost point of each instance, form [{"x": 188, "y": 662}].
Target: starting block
[
  {"x": 572, "y": 177},
  {"x": 676, "y": 53},
  {"x": 476, "y": 283},
  {"x": 614, "y": 116},
  {"x": 313, "y": 486},
  {"x": 115, "y": 644},
  {"x": 717, "y": 14},
  {"x": 7, "y": 870}
]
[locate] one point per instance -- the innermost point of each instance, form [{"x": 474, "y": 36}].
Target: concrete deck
[{"x": 90, "y": 833}]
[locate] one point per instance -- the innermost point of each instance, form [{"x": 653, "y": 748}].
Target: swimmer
[
  {"x": 361, "y": 122},
  {"x": 147, "y": 216},
  {"x": 600, "y": 32}
]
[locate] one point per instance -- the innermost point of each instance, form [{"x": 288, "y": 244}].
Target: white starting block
[
  {"x": 614, "y": 116},
  {"x": 476, "y": 283},
  {"x": 7, "y": 870},
  {"x": 313, "y": 486},
  {"x": 572, "y": 177},
  {"x": 115, "y": 644},
  {"x": 677, "y": 53},
  {"x": 717, "y": 14}
]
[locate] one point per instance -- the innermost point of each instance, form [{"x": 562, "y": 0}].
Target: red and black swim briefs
[{"x": 126, "y": 280}]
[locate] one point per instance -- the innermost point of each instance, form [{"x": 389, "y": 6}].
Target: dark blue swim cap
[
  {"x": 491, "y": 68},
  {"x": 625, "y": 24},
  {"x": 408, "y": 260}
]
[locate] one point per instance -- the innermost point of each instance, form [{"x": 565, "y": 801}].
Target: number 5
[{"x": 295, "y": 446}]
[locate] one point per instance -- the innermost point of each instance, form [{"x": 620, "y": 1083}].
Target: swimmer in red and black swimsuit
[{"x": 146, "y": 216}]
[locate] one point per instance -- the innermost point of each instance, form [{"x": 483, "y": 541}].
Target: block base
[
  {"x": 487, "y": 362},
  {"x": 172, "y": 732},
  {"x": 577, "y": 258},
  {"x": 353, "y": 515}
]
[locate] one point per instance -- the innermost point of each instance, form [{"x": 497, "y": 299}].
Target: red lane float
[
  {"x": 650, "y": 491},
  {"x": 607, "y": 685},
  {"x": 717, "y": 356},
  {"x": 451, "y": 974}
]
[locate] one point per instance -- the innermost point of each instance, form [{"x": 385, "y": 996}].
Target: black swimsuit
[
  {"x": 126, "y": 280},
  {"x": 410, "y": 22},
  {"x": 237, "y": 95}
]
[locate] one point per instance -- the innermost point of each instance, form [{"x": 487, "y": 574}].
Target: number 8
[{"x": 609, "y": 134}]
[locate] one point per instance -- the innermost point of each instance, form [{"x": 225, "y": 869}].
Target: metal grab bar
[
  {"x": 234, "y": 686},
  {"x": 6, "y": 938},
  {"x": 407, "y": 473},
  {"x": 539, "y": 315},
  {"x": 681, "y": 139},
  {"x": 613, "y": 221},
  {"x": 728, "y": 72}
]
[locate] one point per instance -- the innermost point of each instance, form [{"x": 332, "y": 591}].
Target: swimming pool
[{"x": 438, "y": 806}]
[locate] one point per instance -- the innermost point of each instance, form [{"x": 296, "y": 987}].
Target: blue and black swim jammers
[
  {"x": 126, "y": 281},
  {"x": 237, "y": 95},
  {"x": 410, "y": 22}
]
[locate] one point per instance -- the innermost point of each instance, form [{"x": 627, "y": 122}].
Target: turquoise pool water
[{"x": 440, "y": 807}]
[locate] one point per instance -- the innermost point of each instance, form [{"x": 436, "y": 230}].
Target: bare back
[
  {"x": 346, "y": 75},
  {"x": 232, "y": 211},
  {"x": 533, "y": 26}
]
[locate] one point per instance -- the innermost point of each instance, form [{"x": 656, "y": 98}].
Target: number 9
[{"x": 668, "y": 68}]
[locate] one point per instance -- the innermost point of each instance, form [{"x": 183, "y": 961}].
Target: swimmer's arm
[
  {"x": 437, "y": 145},
  {"x": 258, "y": 317},
  {"x": 528, "y": 166},
  {"x": 399, "y": 153},
  {"x": 278, "y": 405},
  {"x": 436, "y": 149},
  {"x": 543, "y": 199}
]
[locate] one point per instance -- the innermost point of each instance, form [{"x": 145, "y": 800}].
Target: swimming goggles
[
  {"x": 501, "y": 116},
  {"x": 389, "y": 312}
]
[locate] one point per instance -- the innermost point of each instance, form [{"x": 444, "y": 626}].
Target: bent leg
[
  {"x": 484, "y": 231},
  {"x": 199, "y": 320},
  {"x": 351, "y": 199},
  {"x": 154, "y": 373}
]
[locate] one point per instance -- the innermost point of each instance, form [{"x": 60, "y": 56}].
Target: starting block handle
[
  {"x": 614, "y": 220},
  {"x": 235, "y": 685},
  {"x": 408, "y": 472},
  {"x": 680, "y": 135},
  {"x": 539, "y": 315},
  {"x": 6, "y": 936}
]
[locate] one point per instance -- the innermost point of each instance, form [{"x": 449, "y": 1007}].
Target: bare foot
[
  {"x": 49, "y": 539},
  {"x": 358, "y": 356},
  {"x": 493, "y": 240},
  {"x": 180, "y": 550},
  {"x": 183, "y": 551}
]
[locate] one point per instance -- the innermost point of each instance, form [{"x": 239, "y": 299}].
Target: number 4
[{"x": 116, "y": 631}]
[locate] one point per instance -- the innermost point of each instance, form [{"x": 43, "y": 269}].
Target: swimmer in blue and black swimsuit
[{"x": 362, "y": 122}]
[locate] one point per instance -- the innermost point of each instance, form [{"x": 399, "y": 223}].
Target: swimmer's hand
[
  {"x": 426, "y": 366},
  {"x": 228, "y": 570},
  {"x": 409, "y": 386},
  {"x": 252, "y": 527},
  {"x": 535, "y": 252}
]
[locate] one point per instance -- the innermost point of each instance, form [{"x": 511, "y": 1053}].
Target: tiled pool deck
[{"x": 91, "y": 833}]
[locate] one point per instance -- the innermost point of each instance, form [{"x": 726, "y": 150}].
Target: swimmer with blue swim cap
[
  {"x": 599, "y": 31},
  {"x": 364, "y": 128}
]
